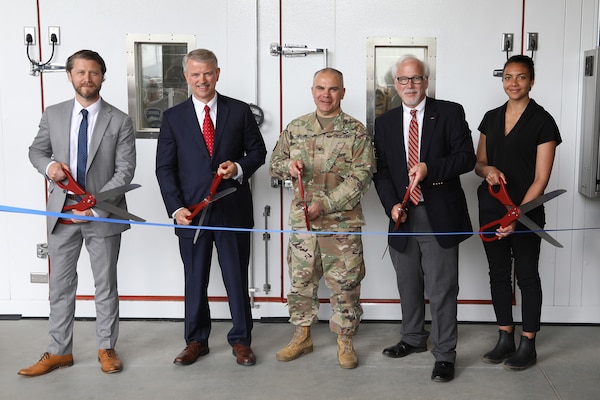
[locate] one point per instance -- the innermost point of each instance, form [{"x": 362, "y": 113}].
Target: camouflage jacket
[{"x": 339, "y": 163}]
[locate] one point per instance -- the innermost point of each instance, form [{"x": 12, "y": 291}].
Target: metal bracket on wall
[
  {"x": 266, "y": 238},
  {"x": 42, "y": 250},
  {"x": 296, "y": 50}
]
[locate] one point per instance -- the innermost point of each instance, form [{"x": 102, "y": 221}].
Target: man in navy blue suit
[
  {"x": 443, "y": 150},
  {"x": 186, "y": 163}
]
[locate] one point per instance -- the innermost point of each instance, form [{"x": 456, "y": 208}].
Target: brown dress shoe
[
  {"x": 109, "y": 361},
  {"x": 190, "y": 354},
  {"x": 243, "y": 354},
  {"x": 47, "y": 363}
]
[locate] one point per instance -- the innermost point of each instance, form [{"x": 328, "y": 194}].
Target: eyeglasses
[{"x": 403, "y": 80}]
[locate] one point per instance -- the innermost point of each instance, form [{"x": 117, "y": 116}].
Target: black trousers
[{"x": 524, "y": 248}]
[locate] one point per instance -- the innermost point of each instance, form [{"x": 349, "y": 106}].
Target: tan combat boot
[
  {"x": 346, "y": 354},
  {"x": 300, "y": 344}
]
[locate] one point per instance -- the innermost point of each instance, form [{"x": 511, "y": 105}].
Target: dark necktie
[
  {"x": 413, "y": 153},
  {"x": 82, "y": 149},
  {"x": 208, "y": 131}
]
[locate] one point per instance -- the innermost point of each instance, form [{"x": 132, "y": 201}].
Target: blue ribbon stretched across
[{"x": 20, "y": 210}]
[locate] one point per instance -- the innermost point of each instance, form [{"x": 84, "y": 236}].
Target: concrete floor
[{"x": 568, "y": 366}]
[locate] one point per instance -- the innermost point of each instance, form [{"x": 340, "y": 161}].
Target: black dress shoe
[
  {"x": 190, "y": 354},
  {"x": 443, "y": 371},
  {"x": 402, "y": 349}
]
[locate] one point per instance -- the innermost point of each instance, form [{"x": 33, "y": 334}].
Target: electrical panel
[{"x": 589, "y": 172}]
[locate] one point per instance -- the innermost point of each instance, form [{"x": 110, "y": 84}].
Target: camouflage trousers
[{"x": 338, "y": 257}]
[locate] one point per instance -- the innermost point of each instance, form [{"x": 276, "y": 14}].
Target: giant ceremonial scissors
[
  {"x": 203, "y": 205},
  {"x": 87, "y": 200},
  {"x": 517, "y": 213}
]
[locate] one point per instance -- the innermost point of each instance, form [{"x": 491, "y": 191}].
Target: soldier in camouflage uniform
[{"x": 333, "y": 155}]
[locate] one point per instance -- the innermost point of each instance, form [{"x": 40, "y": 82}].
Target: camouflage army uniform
[{"x": 338, "y": 167}]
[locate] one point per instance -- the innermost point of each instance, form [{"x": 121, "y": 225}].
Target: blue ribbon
[{"x": 19, "y": 210}]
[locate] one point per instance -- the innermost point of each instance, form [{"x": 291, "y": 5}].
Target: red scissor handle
[
  {"x": 501, "y": 194},
  {"x": 404, "y": 205},
  {"x": 403, "y": 209},
  {"x": 86, "y": 201},
  {"x": 215, "y": 184},
  {"x": 488, "y": 231},
  {"x": 196, "y": 208},
  {"x": 303, "y": 197}
]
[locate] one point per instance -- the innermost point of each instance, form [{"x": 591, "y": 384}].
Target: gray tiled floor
[{"x": 568, "y": 366}]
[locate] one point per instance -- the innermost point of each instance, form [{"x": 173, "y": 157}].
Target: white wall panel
[
  {"x": 468, "y": 38},
  {"x": 20, "y": 108}
]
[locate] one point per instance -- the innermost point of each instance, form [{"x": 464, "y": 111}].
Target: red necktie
[
  {"x": 413, "y": 153},
  {"x": 208, "y": 131}
]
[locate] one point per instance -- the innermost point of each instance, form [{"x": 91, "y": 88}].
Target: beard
[
  {"x": 88, "y": 92},
  {"x": 414, "y": 99}
]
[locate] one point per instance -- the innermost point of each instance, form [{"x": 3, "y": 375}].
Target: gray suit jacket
[{"x": 111, "y": 157}]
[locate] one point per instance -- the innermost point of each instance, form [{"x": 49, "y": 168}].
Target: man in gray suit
[{"x": 110, "y": 163}]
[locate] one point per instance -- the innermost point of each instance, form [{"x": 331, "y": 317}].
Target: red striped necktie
[{"x": 413, "y": 153}]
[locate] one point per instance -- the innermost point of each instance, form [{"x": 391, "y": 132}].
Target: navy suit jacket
[
  {"x": 185, "y": 170},
  {"x": 447, "y": 149}
]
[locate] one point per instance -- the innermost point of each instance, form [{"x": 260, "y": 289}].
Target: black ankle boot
[
  {"x": 504, "y": 348},
  {"x": 524, "y": 357}
]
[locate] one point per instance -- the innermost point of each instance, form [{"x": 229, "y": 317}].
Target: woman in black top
[{"x": 516, "y": 146}]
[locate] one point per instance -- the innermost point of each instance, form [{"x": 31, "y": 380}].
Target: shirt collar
[
  {"x": 211, "y": 104},
  {"x": 92, "y": 109}
]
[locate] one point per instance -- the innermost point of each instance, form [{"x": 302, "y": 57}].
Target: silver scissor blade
[
  {"x": 222, "y": 193},
  {"x": 540, "y": 200},
  {"x": 118, "y": 211},
  {"x": 110, "y": 193},
  {"x": 538, "y": 231},
  {"x": 200, "y": 221},
  {"x": 216, "y": 196}
]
